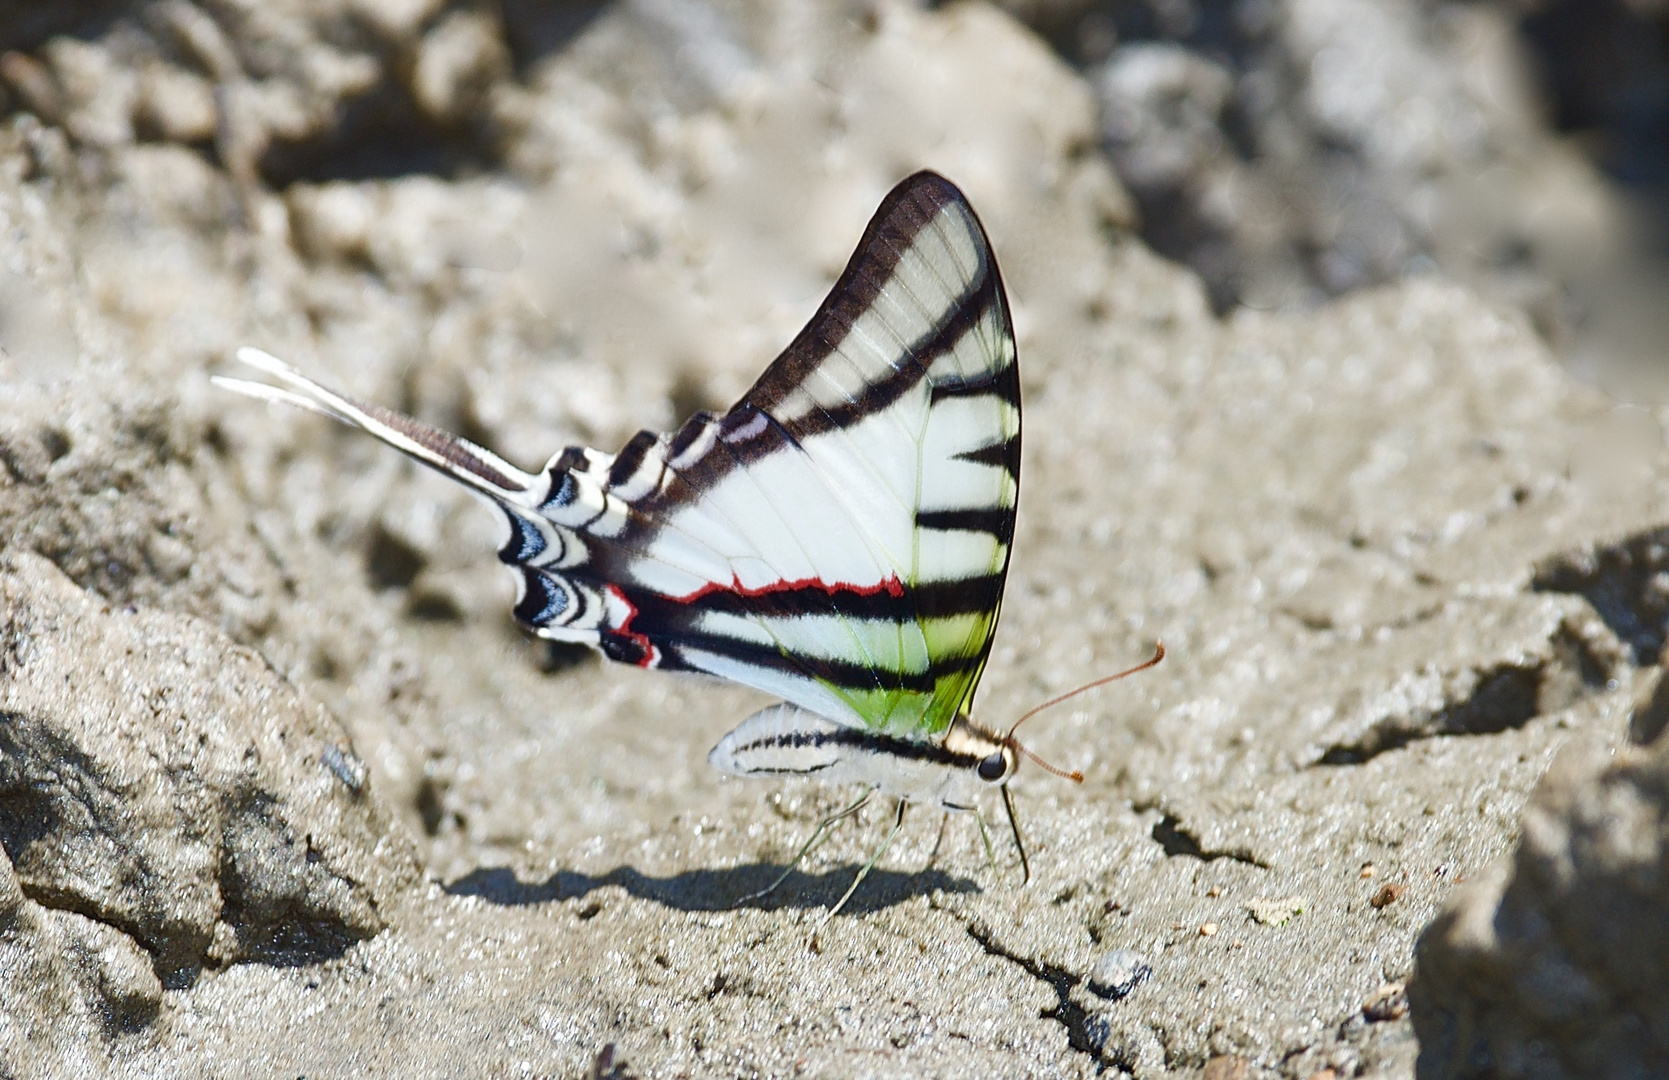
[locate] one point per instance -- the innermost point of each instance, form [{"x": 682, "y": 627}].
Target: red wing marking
[
  {"x": 650, "y": 654},
  {"x": 891, "y": 586}
]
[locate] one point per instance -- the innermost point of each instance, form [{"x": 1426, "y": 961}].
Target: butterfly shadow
[{"x": 716, "y": 890}]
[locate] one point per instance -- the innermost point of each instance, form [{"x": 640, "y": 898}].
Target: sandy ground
[{"x": 285, "y": 792}]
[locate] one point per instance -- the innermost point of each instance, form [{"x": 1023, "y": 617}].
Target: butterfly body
[
  {"x": 839, "y": 538},
  {"x": 785, "y": 740}
]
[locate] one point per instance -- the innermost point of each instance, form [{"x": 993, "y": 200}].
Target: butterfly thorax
[
  {"x": 989, "y": 755},
  {"x": 980, "y": 759}
]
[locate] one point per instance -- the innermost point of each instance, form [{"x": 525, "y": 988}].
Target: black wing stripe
[
  {"x": 687, "y": 436},
  {"x": 1004, "y": 455},
  {"x": 939, "y": 599},
  {"x": 840, "y": 673},
  {"x": 673, "y": 625},
  {"x": 1003, "y": 382},
  {"x": 630, "y": 459},
  {"x": 996, "y": 520},
  {"x": 928, "y": 600},
  {"x": 917, "y": 357}
]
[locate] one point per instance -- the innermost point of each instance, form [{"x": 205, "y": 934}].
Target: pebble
[
  {"x": 1387, "y": 896},
  {"x": 1118, "y": 973},
  {"x": 345, "y": 766},
  {"x": 1389, "y": 1002},
  {"x": 1276, "y": 912}
]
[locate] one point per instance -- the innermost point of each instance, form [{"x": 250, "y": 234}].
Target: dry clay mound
[{"x": 284, "y": 792}]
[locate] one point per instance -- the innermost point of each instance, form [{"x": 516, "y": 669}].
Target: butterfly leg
[
  {"x": 939, "y": 842},
  {"x": 817, "y": 837},
  {"x": 898, "y": 823},
  {"x": 1019, "y": 844},
  {"x": 985, "y": 838}
]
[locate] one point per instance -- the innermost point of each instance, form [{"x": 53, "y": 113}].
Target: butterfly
[{"x": 838, "y": 538}]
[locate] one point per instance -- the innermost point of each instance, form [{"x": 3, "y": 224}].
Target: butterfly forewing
[{"x": 852, "y": 515}]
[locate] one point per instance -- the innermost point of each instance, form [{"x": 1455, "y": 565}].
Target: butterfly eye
[{"x": 994, "y": 767}]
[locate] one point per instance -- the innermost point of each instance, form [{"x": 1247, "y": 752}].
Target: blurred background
[
  {"x": 1293, "y": 151},
  {"x": 1288, "y": 151}
]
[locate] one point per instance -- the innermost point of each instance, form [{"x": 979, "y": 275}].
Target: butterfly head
[
  {"x": 1001, "y": 754},
  {"x": 997, "y": 766},
  {"x": 993, "y": 758}
]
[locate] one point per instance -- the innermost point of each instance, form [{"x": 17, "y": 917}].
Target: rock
[
  {"x": 458, "y": 64},
  {"x": 67, "y": 977},
  {"x": 1317, "y": 146},
  {"x": 160, "y": 780},
  {"x": 1650, "y": 715},
  {"x": 1226, "y": 1067},
  {"x": 1276, "y": 912},
  {"x": 33, "y": 83},
  {"x": 175, "y": 105},
  {"x": 331, "y": 221},
  {"x": 1389, "y": 1002},
  {"x": 1162, "y": 121},
  {"x": 1555, "y": 963},
  {"x": 98, "y": 90},
  {"x": 1116, "y": 974},
  {"x": 1161, "y": 107}
]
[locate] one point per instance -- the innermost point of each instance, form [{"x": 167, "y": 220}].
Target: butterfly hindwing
[{"x": 839, "y": 537}]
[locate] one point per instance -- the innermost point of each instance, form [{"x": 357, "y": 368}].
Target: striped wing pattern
[{"x": 840, "y": 537}]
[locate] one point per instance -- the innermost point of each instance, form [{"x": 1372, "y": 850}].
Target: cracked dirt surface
[{"x": 1390, "y": 580}]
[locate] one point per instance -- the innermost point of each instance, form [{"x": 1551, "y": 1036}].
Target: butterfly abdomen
[{"x": 785, "y": 740}]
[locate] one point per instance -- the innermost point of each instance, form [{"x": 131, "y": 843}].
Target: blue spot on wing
[
  {"x": 561, "y": 494},
  {"x": 526, "y": 542},
  {"x": 543, "y": 600}
]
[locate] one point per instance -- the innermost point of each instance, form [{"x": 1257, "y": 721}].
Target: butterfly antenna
[
  {"x": 1065, "y": 774},
  {"x": 1073, "y": 775}
]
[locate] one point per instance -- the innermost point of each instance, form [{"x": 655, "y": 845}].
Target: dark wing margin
[{"x": 909, "y": 207}]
